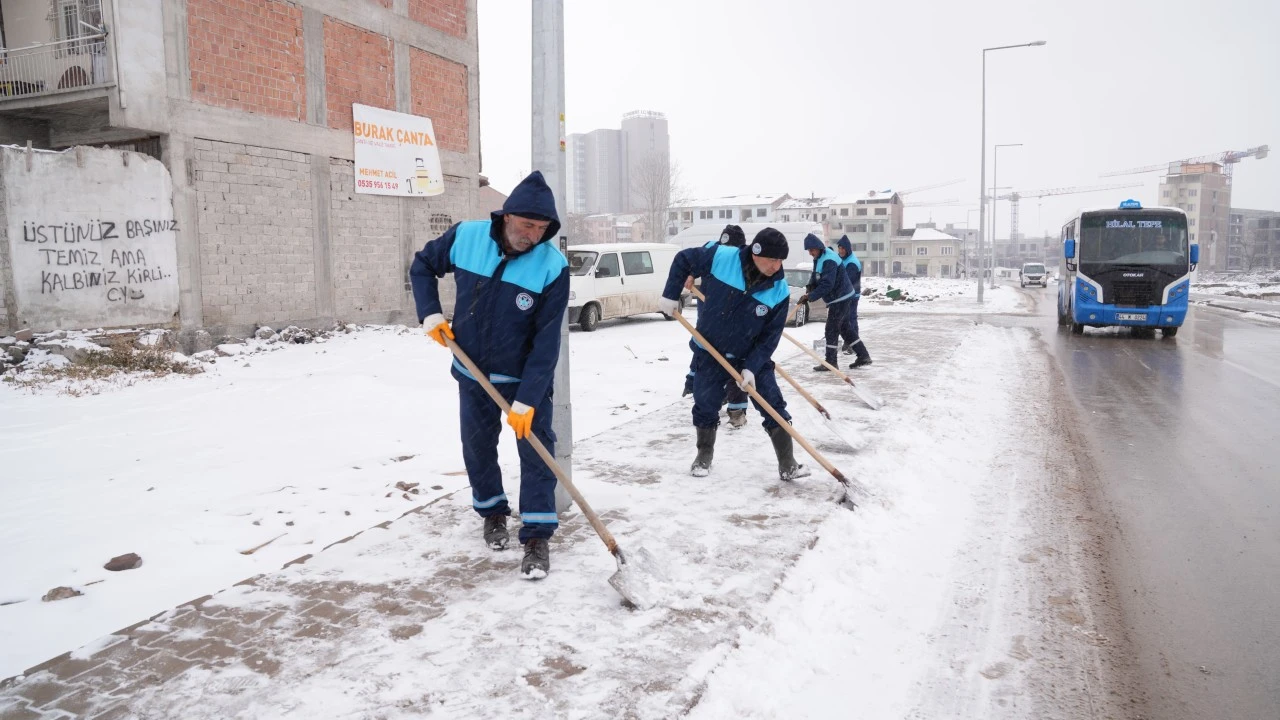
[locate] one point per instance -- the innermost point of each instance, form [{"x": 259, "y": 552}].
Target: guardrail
[{"x": 48, "y": 68}]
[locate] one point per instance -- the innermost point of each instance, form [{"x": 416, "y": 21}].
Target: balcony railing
[{"x": 74, "y": 64}]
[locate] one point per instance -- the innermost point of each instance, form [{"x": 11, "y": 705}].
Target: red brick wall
[
  {"x": 445, "y": 15},
  {"x": 440, "y": 93},
  {"x": 247, "y": 55},
  {"x": 359, "y": 68}
]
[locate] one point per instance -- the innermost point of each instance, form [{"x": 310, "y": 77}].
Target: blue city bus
[{"x": 1128, "y": 266}]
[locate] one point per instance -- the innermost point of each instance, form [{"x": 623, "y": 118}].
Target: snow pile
[
  {"x": 936, "y": 295},
  {"x": 1260, "y": 287}
]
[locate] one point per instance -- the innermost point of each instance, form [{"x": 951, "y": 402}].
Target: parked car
[
  {"x": 798, "y": 278},
  {"x": 902, "y": 275},
  {"x": 1033, "y": 274},
  {"x": 616, "y": 280}
]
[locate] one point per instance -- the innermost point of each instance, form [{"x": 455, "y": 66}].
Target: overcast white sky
[{"x": 838, "y": 96}]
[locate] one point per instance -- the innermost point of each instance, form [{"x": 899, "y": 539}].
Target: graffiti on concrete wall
[{"x": 92, "y": 239}]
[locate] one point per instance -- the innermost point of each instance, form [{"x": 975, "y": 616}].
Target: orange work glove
[
  {"x": 521, "y": 420},
  {"x": 437, "y": 328}
]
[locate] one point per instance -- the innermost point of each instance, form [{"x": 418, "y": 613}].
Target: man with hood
[
  {"x": 830, "y": 284},
  {"x": 731, "y": 236},
  {"x": 852, "y": 341},
  {"x": 513, "y": 288},
  {"x": 742, "y": 317}
]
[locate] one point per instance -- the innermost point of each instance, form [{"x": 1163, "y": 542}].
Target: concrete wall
[
  {"x": 368, "y": 253},
  {"x": 25, "y": 23},
  {"x": 255, "y": 227},
  {"x": 251, "y": 102},
  {"x": 91, "y": 238},
  {"x": 141, "y": 101},
  {"x": 7, "y": 322}
]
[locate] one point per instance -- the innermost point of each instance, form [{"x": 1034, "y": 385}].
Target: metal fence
[{"x": 73, "y": 64}]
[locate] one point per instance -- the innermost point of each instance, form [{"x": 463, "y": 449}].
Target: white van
[
  {"x": 699, "y": 235},
  {"x": 616, "y": 280}
]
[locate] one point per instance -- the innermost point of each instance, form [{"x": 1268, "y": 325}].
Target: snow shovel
[
  {"x": 865, "y": 396},
  {"x": 638, "y": 577},
  {"x": 856, "y": 487},
  {"x": 827, "y": 420}
]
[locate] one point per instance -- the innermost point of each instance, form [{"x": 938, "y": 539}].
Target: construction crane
[
  {"x": 1227, "y": 158},
  {"x": 1014, "y": 197},
  {"x": 934, "y": 203},
  {"x": 908, "y": 191}
]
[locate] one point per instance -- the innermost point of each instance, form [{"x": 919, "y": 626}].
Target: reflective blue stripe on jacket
[
  {"x": 508, "y": 309},
  {"x": 853, "y": 268},
  {"x": 739, "y": 321},
  {"x": 830, "y": 284}
]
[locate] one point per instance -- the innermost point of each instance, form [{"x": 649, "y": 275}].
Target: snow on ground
[
  {"x": 847, "y": 613},
  {"x": 296, "y": 447},
  {"x": 938, "y": 295}
]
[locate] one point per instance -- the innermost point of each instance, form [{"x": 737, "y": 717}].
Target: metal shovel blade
[
  {"x": 639, "y": 578},
  {"x": 867, "y": 397}
]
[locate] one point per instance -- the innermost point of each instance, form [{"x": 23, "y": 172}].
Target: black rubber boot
[
  {"x": 861, "y": 362},
  {"x": 706, "y": 450},
  {"x": 537, "y": 559},
  {"x": 495, "y": 532},
  {"x": 788, "y": 468},
  {"x": 820, "y": 368}
]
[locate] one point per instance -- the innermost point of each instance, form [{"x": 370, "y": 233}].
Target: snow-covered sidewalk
[{"x": 903, "y": 606}]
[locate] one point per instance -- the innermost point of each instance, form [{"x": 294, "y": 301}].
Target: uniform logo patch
[
  {"x": 761, "y": 311},
  {"x": 524, "y": 301},
  {"x": 756, "y": 248}
]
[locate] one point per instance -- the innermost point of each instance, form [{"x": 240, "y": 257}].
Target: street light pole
[
  {"x": 995, "y": 198},
  {"x": 548, "y": 156},
  {"x": 982, "y": 183}
]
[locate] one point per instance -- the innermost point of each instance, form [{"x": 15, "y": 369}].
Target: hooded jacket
[
  {"x": 509, "y": 306},
  {"x": 828, "y": 283},
  {"x": 852, "y": 265},
  {"x": 743, "y": 323}
]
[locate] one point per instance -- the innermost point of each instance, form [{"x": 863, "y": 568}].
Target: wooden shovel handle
[
  {"x": 785, "y": 375},
  {"x": 541, "y": 449},
  {"x": 803, "y": 393},
  {"x": 751, "y": 390}
]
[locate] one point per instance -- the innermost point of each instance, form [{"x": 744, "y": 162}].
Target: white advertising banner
[{"x": 396, "y": 153}]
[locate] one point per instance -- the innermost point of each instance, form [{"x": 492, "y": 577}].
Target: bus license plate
[{"x": 1131, "y": 316}]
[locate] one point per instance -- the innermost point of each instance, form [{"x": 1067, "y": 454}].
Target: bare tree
[{"x": 655, "y": 184}]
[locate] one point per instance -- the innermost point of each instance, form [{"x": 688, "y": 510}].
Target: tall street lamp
[
  {"x": 995, "y": 197},
  {"x": 982, "y": 184}
]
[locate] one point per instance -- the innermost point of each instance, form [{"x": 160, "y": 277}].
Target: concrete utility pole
[
  {"x": 548, "y": 156},
  {"x": 982, "y": 180},
  {"x": 995, "y": 194}
]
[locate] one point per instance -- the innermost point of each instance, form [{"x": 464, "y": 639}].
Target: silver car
[{"x": 798, "y": 278}]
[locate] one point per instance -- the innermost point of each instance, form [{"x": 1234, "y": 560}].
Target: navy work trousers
[
  {"x": 482, "y": 424},
  {"x": 850, "y": 332}
]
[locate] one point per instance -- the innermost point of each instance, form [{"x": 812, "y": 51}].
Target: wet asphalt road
[{"x": 1185, "y": 436}]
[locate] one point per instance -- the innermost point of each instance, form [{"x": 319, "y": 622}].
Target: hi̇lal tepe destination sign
[{"x": 395, "y": 153}]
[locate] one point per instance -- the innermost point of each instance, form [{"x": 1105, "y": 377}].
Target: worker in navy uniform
[
  {"x": 830, "y": 284},
  {"x": 512, "y": 291},
  {"x": 742, "y": 317},
  {"x": 849, "y": 333},
  {"x": 732, "y": 236}
]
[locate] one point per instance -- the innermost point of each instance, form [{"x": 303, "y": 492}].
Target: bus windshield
[
  {"x": 581, "y": 262},
  {"x": 1133, "y": 239}
]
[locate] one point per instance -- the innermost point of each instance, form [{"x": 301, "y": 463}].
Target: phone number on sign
[{"x": 378, "y": 184}]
